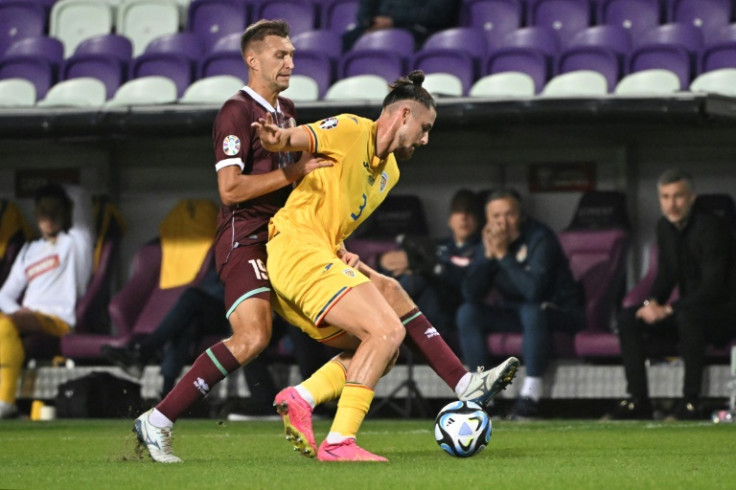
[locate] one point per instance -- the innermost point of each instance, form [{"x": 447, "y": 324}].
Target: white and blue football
[{"x": 462, "y": 429}]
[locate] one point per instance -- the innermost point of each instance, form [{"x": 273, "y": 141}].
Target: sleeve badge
[{"x": 231, "y": 145}]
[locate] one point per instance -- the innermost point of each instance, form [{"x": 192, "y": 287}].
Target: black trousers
[{"x": 691, "y": 327}]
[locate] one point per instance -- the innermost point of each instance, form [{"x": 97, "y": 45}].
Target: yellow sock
[
  {"x": 351, "y": 409},
  {"x": 11, "y": 359},
  {"x": 326, "y": 383}
]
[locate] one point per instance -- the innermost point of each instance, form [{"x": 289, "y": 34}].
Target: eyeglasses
[{"x": 285, "y": 158}]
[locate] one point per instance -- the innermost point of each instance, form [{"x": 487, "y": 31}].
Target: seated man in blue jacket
[{"x": 521, "y": 261}]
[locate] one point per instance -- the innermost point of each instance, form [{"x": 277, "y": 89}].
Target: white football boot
[
  {"x": 156, "y": 440},
  {"x": 484, "y": 385}
]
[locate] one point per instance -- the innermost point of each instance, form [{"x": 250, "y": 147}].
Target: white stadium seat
[
  {"x": 648, "y": 82},
  {"x": 76, "y": 92},
  {"x": 144, "y": 91},
  {"x": 505, "y": 84},
  {"x": 211, "y": 90},
  {"x": 581, "y": 83},
  {"x": 17, "y": 92},
  {"x": 359, "y": 87}
]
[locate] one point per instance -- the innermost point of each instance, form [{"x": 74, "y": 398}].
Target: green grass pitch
[{"x": 562, "y": 454}]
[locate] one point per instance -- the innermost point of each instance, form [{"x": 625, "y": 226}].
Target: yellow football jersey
[{"x": 330, "y": 203}]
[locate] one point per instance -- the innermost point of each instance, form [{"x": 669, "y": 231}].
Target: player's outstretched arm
[{"x": 276, "y": 139}]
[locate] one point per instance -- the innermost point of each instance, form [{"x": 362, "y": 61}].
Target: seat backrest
[
  {"x": 601, "y": 210},
  {"x": 145, "y": 91},
  {"x": 636, "y": 16},
  {"x": 43, "y": 46},
  {"x": 183, "y": 43},
  {"x": 360, "y": 87},
  {"x": 113, "y": 45},
  {"x": 211, "y": 20},
  {"x": 316, "y": 65},
  {"x": 581, "y": 83},
  {"x": 175, "y": 66},
  {"x": 447, "y": 60},
  {"x": 597, "y": 260},
  {"x": 469, "y": 39},
  {"x": 145, "y": 20},
  {"x": 17, "y": 92},
  {"x": 213, "y": 90},
  {"x": 19, "y": 20},
  {"x": 707, "y": 15},
  {"x": 384, "y": 63},
  {"x": 224, "y": 63},
  {"x": 717, "y": 56},
  {"x": 326, "y": 41},
  {"x": 567, "y": 17},
  {"x": 542, "y": 38},
  {"x": 722, "y": 205},
  {"x": 507, "y": 84},
  {"x": 672, "y": 57},
  {"x": 496, "y": 17},
  {"x": 686, "y": 35},
  {"x": 339, "y": 15},
  {"x": 73, "y": 21},
  {"x": 302, "y": 88},
  {"x": 528, "y": 60},
  {"x": 108, "y": 69},
  {"x": 397, "y": 40},
  {"x": 36, "y": 70},
  {"x": 77, "y": 92},
  {"x": 614, "y": 37},
  {"x": 654, "y": 81},
  {"x": 300, "y": 14},
  {"x": 600, "y": 59}
]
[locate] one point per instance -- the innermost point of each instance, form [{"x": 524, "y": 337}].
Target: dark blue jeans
[{"x": 476, "y": 320}]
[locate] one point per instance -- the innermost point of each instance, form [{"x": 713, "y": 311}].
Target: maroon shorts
[{"x": 244, "y": 276}]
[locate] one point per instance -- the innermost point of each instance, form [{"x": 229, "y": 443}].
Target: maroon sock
[
  {"x": 211, "y": 367},
  {"x": 425, "y": 338}
]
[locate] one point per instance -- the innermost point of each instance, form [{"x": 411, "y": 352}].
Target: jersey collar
[{"x": 258, "y": 98}]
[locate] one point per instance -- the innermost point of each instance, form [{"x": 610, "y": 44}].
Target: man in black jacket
[{"x": 696, "y": 255}]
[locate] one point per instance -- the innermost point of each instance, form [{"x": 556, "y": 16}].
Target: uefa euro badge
[
  {"x": 328, "y": 123},
  {"x": 383, "y": 182},
  {"x": 521, "y": 254},
  {"x": 231, "y": 145}
]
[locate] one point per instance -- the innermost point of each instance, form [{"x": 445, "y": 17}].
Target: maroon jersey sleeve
[{"x": 231, "y": 133}]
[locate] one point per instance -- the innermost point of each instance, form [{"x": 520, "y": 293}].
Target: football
[{"x": 462, "y": 429}]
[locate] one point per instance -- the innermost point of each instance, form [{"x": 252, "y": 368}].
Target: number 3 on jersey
[{"x": 259, "y": 269}]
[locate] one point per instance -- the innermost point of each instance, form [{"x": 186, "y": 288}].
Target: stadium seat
[
  {"x": 46, "y": 47},
  {"x": 38, "y": 71},
  {"x": 648, "y": 82},
  {"x": 211, "y": 20},
  {"x": 636, "y": 16},
  {"x": 685, "y": 35},
  {"x": 613, "y": 37},
  {"x": 387, "y": 64},
  {"x": 329, "y": 42},
  {"x": 223, "y": 63},
  {"x": 581, "y": 83},
  {"x": 108, "y": 69},
  {"x": 443, "y": 84},
  {"x": 600, "y": 59},
  {"x": 400, "y": 41},
  {"x": 228, "y": 42},
  {"x": 316, "y": 65},
  {"x": 527, "y": 60},
  {"x": 707, "y": 15},
  {"x": 339, "y": 15},
  {"x": 19, "y": 20},
  {"x": 302, "y": 89},
  {"x": 171, "y": 55},
  {"x": 361, "y": 87},
  {"x": 300, "y": 14},
  {"x": 566, "y": 17},
  {"x": 496, "y": 17},
  {"x": 673, "y": 58},
  {"x": 145, "y": 91},
  {"x": 73, "y": 21},
  {"x": 718, "y": 55},
  {"x": 468, "y": 39},
  {"x": 457, "y": 62},
  {"x": 145, "y": 20},
  {"x": 212, "y": 90},
  {"x": 507, "y": 84},
  {"x": 721, "y": 81},
  {"x": 17, "y": 92},
  {"x": 76, "y": 92},
  {"x": 113, "y": 45}
]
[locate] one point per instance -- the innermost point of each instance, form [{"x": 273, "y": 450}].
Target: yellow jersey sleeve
[{"x": 334, "y": 137}]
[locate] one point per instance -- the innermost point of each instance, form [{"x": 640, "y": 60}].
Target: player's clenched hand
[
  {"x": 306, "y": 164},
  {"x": 272, "y": 137},
  {"x": 348, "y": 257}
]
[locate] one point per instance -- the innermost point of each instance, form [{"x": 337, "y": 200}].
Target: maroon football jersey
[{"x": 236, "y": 143}]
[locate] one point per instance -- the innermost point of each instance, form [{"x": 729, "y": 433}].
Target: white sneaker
[
  {"x": 484, "y": 385},
  {"x": 155, "y": 439},
  {"x": 8, "y": 410}
]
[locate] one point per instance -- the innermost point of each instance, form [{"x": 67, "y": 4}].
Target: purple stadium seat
[
  {"x": 612, "y": 36},
  {"x": 469, "y": 39},
  {"x": 673, "y": 57},
  {"x": 400, "y": 41},
  {"x": 685, "y": 35},
  {"x": 527, "y": 60},
  {"x": 719, "y": 55},
  {"x": 19, "y": 20},
  {"x": 229, "y": 42},
  {"x": 223, "y": 63},
  {"x": 339, "y": 15},
  {"x": 707, "y": 15},
  {"x": 184, "y": 43},
  {"x": 384, "y": 63},
  {"x": 596, "y": 58},
  {"x": 104, "y": 67},
  {"x": 458, "y": 62},
  {"x": 300, "y": 14},
  {"x": 329, "y": 42},
  {"x": 107, "y": 44},
  {"x": 544, "y": 39},
  {"x": 637, "y": 16},
  {"x": 496, "y": 17},
  {"x": 314, "y": 64},
  {"x": 725, "y": 33},
  {"x": 210, "y": 20},
  {"x": 47, "y": 47},
  {"x": 567, "y": 17},
  {"x": 175, "y": 66},
  {"x": 32, "y": 68}
]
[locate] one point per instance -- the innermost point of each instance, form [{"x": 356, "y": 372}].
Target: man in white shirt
[{"x": 51, "y": 273}]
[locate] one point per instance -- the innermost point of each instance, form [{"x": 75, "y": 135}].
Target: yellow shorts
[
  {"x": 308, "y": 280},
  {"x": 50, "y": 324}
]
